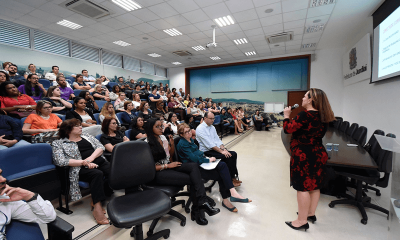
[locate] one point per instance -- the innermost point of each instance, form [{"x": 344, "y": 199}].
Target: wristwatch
[{"x": 33, "y": 198}]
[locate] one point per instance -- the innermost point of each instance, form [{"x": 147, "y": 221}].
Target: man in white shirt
[
  {"x": 51, "y": 76},
  {"x": 212, "y": 146},
  {"x": 23, "y": 205},
  {"x": 88, "y": 79},
  {"x": 163, "y": 96}
]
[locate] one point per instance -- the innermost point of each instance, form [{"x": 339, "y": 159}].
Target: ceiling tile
[
  {"x": 188, "y": 29},
  {"x": 259, "y": 3},
  {"x": 231, "y": 29},
  {"x": 294, "y": 5},
  {"x": 216, "y": 11},
  {"x": 131, "y": 31},
  {"x": 198, "y": 35},
  {"x": 160, "y": 24},
  {"x": 56, "y": 10},
  {"x": 297, "y": 37},
  {"x": 320, "y": 11},
  {"x": 114, "y": 9},
  {"x": 224, "y": 44},
  {"x": 146, "y": 28},
  {"x": 205, "y": 3},
  {"x": 233, "y": 36},
  {"x": 273, "y": 29},
  {"x": 129, "y": 19},
  {"x": 55, "y": 28},
  {"x": 296, "y": 31},
  {"x": 75, "y": 36},
  {"x": 250, "y": 24},
  {"x": 114, "y": 23},
  {"x": 294, "y": 24},
  {"x": 133, "y": 40},
  {"x": 271, "y": 20},
  {"x": 33, "y": 3},
  {"x": 293, "y": 42},
  {"x": 145, "y": 15},
  {"x": 9, "y": 14},
  {"x": 204, "y": 26},
  {"x": 292, "y": 51},
  {"x": 148, "y": 3},
  {"x": 260, "y": 43},
  {"x": 310, "y": 40},
  {"x": 231, "y": 48},
  {"x": 163, "y": 10},
  {"x": 256, "y": 38},
  {"x": 157, "y": 43},
  {"x": 277, "y": 9},
  {"x": 80, "y": 19},
  {"x": 169, "y": 40},
  {"x": 183, "y": 6},
  {"x": 182, "y": 38},
  {"x": 297, "y": 47},
  {"x": 196, "y": 16},
  {"x": 157, "y": 35},
  {"x": 101, "y": 28},
  {"x": 177, "y": 20},
  {"x": 322, "y": 20},
  {"x": 245, "y": 16},
  {"x": 33, "y": 20},
  {"x": 119, "y": 35},
  {"x": 19, "y": 7},
  {"x": 312, "y": 35},
  {"x": 254, "y": 32},
  {"x": 44, "y": 16},
  {"x": 239, "y": 5},
  {"x": 296, "y": 15}
]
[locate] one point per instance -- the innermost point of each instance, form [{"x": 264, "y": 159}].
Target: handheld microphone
[{"x": 292, "y": 107}]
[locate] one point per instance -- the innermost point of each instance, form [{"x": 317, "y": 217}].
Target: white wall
[{"x": 176, "y": 78}]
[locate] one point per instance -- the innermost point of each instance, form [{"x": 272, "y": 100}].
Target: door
[{"x": 293, "y": 98}]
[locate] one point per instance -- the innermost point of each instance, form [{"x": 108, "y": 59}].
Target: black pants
[
  {"x": 186, "y": 174},
  {"x": 258, "y": 125},
  {"x": 95, "y": 177},
  {"x": 231, "y": 162},
  {"x": 221, "y": 174}
]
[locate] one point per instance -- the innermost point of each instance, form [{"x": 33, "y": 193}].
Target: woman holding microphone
[{"x": 308, "y": 154}]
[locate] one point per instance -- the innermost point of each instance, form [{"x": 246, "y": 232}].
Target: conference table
[{"x": 354, "y": 157}]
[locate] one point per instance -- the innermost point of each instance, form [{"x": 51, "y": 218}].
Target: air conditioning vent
[
  {"x": 86, "y": 8},
  {"x": 280, "y": 37},
  {"x": 182, "y": 53}
]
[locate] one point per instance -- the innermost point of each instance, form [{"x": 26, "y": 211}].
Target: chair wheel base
[
  {"x": 364, "y": 221},
  {"x": 187, "y": 210},
  {"x": 378, "y": 194},
  {"x": 64, "y": 210},
  {"x": 183, "y": 223},
  {"x": 166, "y": 236},
  {"x": 331, "y": 205},
  {"x": 149, "y": 233}
]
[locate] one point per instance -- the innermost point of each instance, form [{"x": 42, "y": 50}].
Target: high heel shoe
[
  {"x": 92, "y": 207},
  {"x": 312, "y": 219},
  {"x": 198, "y": 216},
  {"x": 305, "y": 226},
  {"x": 208, "y": 209}
]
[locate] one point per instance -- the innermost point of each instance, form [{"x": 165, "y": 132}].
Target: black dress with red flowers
[{"x": 308, "y": 154}]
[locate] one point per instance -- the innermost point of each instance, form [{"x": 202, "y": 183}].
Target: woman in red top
[
  {"x": 308, "y": 154},
  {"x": 12, "y": 100}
]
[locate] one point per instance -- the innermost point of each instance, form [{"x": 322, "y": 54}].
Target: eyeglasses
[
  {"x": 47, "y": 108},
  {"x": 159, "y": 127},
  {"x": 186, "y": 132},
  {"x": 211, "y": 118}
]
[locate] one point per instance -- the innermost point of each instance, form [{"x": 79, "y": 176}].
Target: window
[
  {"x": 84, "y": 52},
  {"x": 112, "y": 59},
  {"x": 14, "y": 34},
  {"x": 50, "y": 43},
  {"x": 147, "y": 68},
  {"x": 160, "y": 71},
  {"x": 131, "y": 64}
]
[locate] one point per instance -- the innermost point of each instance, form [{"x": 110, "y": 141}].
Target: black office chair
[
  {"x": 338, "y": 122},
  {"x": 135, "y": 207},
  {"x": 352, "y": 129},
  {"x": 344, "y": 126},
  {"x": 360, "y": 135}
]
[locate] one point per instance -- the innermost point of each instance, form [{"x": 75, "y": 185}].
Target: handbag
[
  {"x": 20, "y": 114},
  {"x": 46, "y": 137}
]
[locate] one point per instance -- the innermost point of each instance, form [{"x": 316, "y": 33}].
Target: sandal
[
  {"x": 234, "y": 209},
  {"x": 246, "y": 200}
]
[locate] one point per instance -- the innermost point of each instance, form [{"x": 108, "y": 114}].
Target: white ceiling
[{"x": 194, "y": 19}]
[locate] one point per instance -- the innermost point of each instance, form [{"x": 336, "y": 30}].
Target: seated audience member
[
  {"x": 161, "y": 86},
  {"x": 189, "y": 152},
  {"x": 4, "y": 77},
  {"x": 23, "y": 205},
  {"x": 6, "y": 65},
  {"x": 160, "y": 108},
  {"x": 142, "y": 85},
  {"x": 137, "y": 131},
  {"x": 12, "y": 100},
  {"x": 144, "y": 111},
  {"x": 119, "y": 103},
  {"x": 173, "y": 120},
  {"x": 195, "y": 112},
  {"x": 216, "y": 108},
  {"x": 189, "y": 120},
  {"x": 111, "y": 134},
  {"x": 176, "y": 107},
  {"x": 32, "y": 70},
  {"x": 136, "y": 101},
  {"x": 39, "y": 124},
  {"x": 180, "y": 101},
  {"x": 201, "y": 109},
  {"x": 166, "y": 86},
  {"x": 211, "y": 109},
  {"x": 174, "y": 93},
  {"x": 79, "y": 84},
  {"x": 10, "y": 133},
  {"x": 130, "y": 88},
  {"x": 60, "y": 105},
  {"x": 167, "y": 130},
  {"x": 108, "y": 112},
  {"x": 167, "y": 91},
  {"x": 181, "y": 93},
  {"x": 104, "y": 80},
  {"x": 33, "y": 88},
  {"x": 154, "y": 98},
  {"x": 52, "y": 76},
  {"x": 66, "y": 91},
  {"x": 147, "y": 91},
  {"x": 100, "y": 94},
  {"x": 87, "y": 119},
  {"x": 225, "y": 118},
  {"x": 83, "y": 153},
  {"x": 91, "y": 104},
  {"x": 163, "y": 96},
  {"x": 177, "y": 173},
  {"x": 212, "y": 146},
  {"x": 88, "y": 79},
  {"x": 194, "y": 101},
  {"x": 245, "y": 121},
  {"x": 231, "y": 115},
  {"x": 138, "y": 91},
  {"x": 187, "y": 100},
  {"x": 122, "y": 85},
  {"x": 128, "y": 114},
  {"x": 15, "y": 78},
  {"x": 259, "y": 121},
  {"x": 114, "y": 93}
]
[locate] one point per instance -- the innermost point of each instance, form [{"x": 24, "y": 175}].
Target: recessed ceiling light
[
  {"x": 315, "y": 28},
  {"x": 317, "y": 21},
  {"x": 317, "y": 3},
  {"x": 176, "y": 63},
  {"x": 224, "y": 21},
  {"x": 198, "y": 48},
  {"x": 240, "y": 41},
  {"x": 172, "y": 32},
  {"x": 154, "y": 55},
  {"x": 269, "y": 10},
  {"x": 128, "y": 5},
  {"x": 310, "y": 45},
  {"x": 69, "y": 24},
  {"x": 215, "y": 58},
  {"x": 250, "y": 53},
  {"x": 122, "y": 43}
]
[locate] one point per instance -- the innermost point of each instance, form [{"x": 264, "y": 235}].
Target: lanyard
[{"x": 2, "y": 229}]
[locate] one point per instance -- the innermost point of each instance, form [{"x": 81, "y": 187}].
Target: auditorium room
[{"x": 199, "y": 119}]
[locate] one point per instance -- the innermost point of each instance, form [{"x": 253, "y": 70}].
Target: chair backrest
[
  {"x": 112, "y": 84},
  {"x": 337, "y": 123},
  {"x": 128, "y": 133},
  {"x": 132, "y": 165},
  {"x": 23, "y": 120},
  {"x": 23, "y": 230},
  {"x": 360, "y": 135},
  {"x": 100, "y": 103},
  {"x": 344, "y": 126},
  {"x": 217, "y": 119},
  {"x": 96, "y": 116},
  {"x": 98, "y": 137},
  {"x": 119, "y": 116},
  {"x": 61, "y": 116},
  {"x": 76, "y": 92},
  {"x": 46, "y": 83},
  {"x": 373, "y": 147},
  {"x": 176, "y": 141},
  {"x": 352, "y": 129}
]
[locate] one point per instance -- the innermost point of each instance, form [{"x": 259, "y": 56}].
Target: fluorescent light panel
[
  {"x": 128, "y": 5},
  {"x": 172, "y": 32},
  {"x": 122, "y": 43},
  {"x": 198, "y": 48},
  {"x": 215, "y": 58},
  {"x": 310, "y": 45},
  {"x": 250, "y": 53},
  {"x": 224, "y": 21},
  {"x": 315, "y": 28},
  {"x": 154, "y": 55},
  {"x": 240, "y": 41},
  {"x": 317, "y": 3},
  {"x": 176, "y": 63},
  {"x": 69, "y": 24}
]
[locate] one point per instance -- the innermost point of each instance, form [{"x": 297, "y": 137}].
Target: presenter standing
[{"x": 308, "y": 154}]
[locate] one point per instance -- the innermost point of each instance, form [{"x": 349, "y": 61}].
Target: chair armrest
[{"x": 60, "y": 229}]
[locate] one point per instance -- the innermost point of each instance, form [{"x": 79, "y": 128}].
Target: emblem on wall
[{"x": 353, "y": 58}]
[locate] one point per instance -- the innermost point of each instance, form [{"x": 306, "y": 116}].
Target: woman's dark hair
[
  {"x": 82, "y": 94},
  {"x": 114, "y": 89},
  {"x": 170, "y": 116},
  {"x": 7, "y": 76},
  {"x": 156, "y": 148},
  {"x": 77, "y": 76},
  {"x": 50, "y": 91},
  {"x": 188, "y": 117},
  {"x": 3, "y": 91},
  {"x": 256, "y": 112},
  {"x": 173, "y": 89},
  {"x": 222, "y": 109},
  {"x": 141, "y": 107},
  {"x": 106, "y": 124},
  {"x": 153, "y": 87},
  {"x": 77, "y": 99},
  {"x": 67, "y": 126},
  {"x": 126, "y": 104},
  {"x": 28, "y": 87},
  {"x": 134, "y": 122}
]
